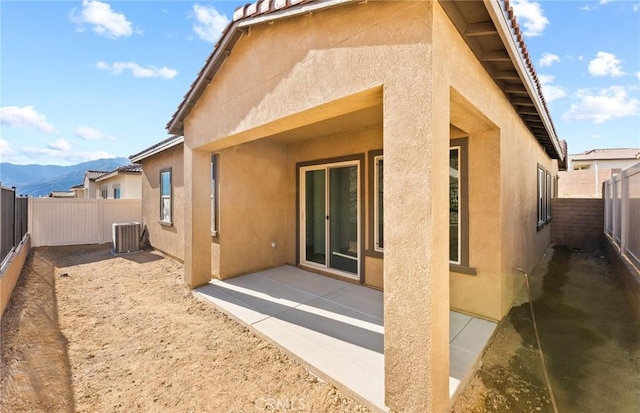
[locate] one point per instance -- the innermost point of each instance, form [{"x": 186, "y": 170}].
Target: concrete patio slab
[{"x": 334, "y": 327}]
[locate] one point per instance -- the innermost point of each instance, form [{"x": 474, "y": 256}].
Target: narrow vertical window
[
  {"x": 541, "y": 195},
  {"x": 214, "y": 195},
  {"x": 548, "y": 197},
  {"x": 378, "y": 204},
  {"x": 104, "y": 192},
  {"x": 454, "y": 205},
  {"x": 165, "y": 196},
  {"x": 116, "y": 192}
]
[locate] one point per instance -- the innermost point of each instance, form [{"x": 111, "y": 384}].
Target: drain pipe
[{"x": 535, "y": 329}]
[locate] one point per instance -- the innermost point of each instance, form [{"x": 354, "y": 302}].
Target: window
[
  {"x": 454, "y": 205},
  {"x": 542, "y": 205},
  {"x": 548, "y": 197},
  {"x": 214, "y": 195},
  {"x": 459, "y": 208},
  {"x": 104, "y": 192},
  {"x": 165, "y": 196},
  {"x": 116, "y": 192},
  {"x": 378, "y": 207}
]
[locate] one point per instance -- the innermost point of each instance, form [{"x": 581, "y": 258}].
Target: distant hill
[{"x": 40, "y": 180}]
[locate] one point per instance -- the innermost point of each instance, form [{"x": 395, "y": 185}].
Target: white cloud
[
  {"x": 209, "y": 23},
  {"x": 531, "y": 16},
  {"x": 61, "y": 149},
  {"x": 603, "y": 105},
  {"x": 605, "y": 1},
  {"x": 638, "y": 75},
  {"x": 60, "y": 145},
  {"x": 105, "y": 21},
  {"x": 548, "y": 59},
  {"x": 635, "y": 7},
  {"x": 606, "y": 64},
  {"x": 551, "y": 92},
  {"x": 91, "y": 134},
  {"x": 25, "y": 116},
  {"x": 117, "y": 68},
  {"x": 6, "y": 151}
]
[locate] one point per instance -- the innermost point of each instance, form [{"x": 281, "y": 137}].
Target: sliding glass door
[{"x": 330, "y": 216}]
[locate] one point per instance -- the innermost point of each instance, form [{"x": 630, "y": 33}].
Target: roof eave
[
  {"x": 223, "y": 49},
  {"x": 504, "y": 31},
  {"x": 155, "y": 150}
]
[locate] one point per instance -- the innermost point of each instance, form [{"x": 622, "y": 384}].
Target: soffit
[{"x": 521, "y": 87}]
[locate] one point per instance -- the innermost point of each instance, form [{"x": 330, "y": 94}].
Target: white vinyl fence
[
  {"x": 622, "y": 212},
  {"x": 58, "y": 221}
]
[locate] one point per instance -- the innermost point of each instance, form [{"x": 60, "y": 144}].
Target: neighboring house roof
[
  {"x": 132, "y": 169},
  {"x": 510, "y": 64},
  {"x": 607, "y": 154},
  {"x": 163, "y": 145},
  {"x": 79, "y": 186},
  {"x": 92, "y": 175}
]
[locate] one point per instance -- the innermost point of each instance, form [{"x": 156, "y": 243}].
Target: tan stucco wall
[
  {"x": 258, "y": 204},
  {"x": 388, "y": 47},
  {"x": 169, "y": 239},
  {"x": 408, "y": 57},
  {"x": 503, "y": 159}
]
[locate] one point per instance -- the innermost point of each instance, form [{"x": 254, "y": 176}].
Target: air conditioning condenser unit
[{"x": 126, "y": 237}]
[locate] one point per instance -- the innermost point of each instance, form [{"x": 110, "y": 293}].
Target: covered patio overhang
[{"x": 334, "y": 328}]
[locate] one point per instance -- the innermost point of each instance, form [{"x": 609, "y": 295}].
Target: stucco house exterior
[
  {"x": 405, "y": 146},
  {"x": 89, "y": 186},
  {"x": 165, "y": 226},
  {"x": 124, "y": 182}
]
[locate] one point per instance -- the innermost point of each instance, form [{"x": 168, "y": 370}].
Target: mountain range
[{"x": 40, "y": 180}]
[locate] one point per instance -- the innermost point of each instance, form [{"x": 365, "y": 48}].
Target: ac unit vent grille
[{"x": 126, "y": 237}]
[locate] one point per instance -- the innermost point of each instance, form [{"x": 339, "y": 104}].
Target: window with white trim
[
  {"x": 116, "y": 192},
  {"x": 104, "y": 192},
  {"x": 165, "y": 196},
  {"x": 378, "y": 205}
]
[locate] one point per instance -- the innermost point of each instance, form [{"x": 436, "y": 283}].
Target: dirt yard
[
  {"x": 590, "y": 338},
  {"x": 89, "y": 332}
]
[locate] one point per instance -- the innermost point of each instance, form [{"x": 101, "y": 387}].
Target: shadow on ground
[{"x": 589, "y": 336}]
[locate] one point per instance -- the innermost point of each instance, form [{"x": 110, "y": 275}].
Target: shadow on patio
[{"x": 333, "y": 327}]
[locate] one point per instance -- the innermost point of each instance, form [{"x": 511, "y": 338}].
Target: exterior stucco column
[
  {"x": 197, "y": 217},
  {"x": 416, "y": 269}
]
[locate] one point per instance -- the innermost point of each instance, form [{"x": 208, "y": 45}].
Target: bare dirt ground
[
  {"x": 89, "y": 332},
  {"x": 589, "y": 335}
]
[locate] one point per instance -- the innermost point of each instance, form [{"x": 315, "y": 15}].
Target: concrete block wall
[
  {"x": 577, "y": 222},
  {"x": 582, "y": 184}
]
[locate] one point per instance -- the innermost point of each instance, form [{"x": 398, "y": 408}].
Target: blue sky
[{"x": 82, "y": 80}]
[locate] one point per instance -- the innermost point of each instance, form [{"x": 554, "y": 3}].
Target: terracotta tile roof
[
  {"x": 265, "y": 6},
  {"x": 524, "y": 54}
]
